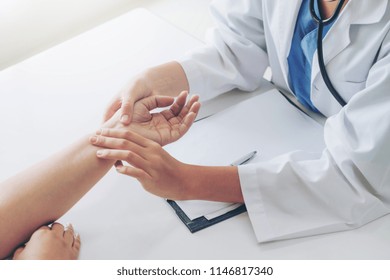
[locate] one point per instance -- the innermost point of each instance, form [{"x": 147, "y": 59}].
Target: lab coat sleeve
[
  {"x": 345, "y": 187},
  {"x": 235, "y": 52}
]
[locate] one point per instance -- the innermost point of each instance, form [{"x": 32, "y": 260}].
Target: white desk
[{"x": 52, "y": 99}]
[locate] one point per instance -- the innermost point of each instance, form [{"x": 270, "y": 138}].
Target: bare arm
[
  {"x": 44, "y": 192},
  {"x": 167, "y": 79},
  {"x": 215, "y": 183}
]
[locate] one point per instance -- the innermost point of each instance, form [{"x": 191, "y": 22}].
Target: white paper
[{"x": 266, "y": 123}]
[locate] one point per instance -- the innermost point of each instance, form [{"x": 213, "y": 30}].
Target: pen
[{"x": 244, "y": 159}]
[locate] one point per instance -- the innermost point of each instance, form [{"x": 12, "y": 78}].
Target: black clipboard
[{"x": 202, "y": 222}]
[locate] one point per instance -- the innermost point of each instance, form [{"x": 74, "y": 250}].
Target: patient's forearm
[{"x": 44, "y": 192}]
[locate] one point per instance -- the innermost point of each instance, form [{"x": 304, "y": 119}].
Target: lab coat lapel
[
  {"x": 282, "y": 25},
  {"x": 335, "y": 41},
  {"x": 338, "y": 38}
]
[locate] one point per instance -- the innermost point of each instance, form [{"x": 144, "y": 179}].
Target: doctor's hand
[
  {"x": 125, "y": 100},
  {"x": 167, "y": 79},
  {"x": 165, "y": 126},
  {"x": 157, "y": 171},
  {"x": 161, "y": 174}
]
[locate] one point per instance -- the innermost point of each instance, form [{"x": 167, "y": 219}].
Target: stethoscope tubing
[{"x": 320, "y": 53}]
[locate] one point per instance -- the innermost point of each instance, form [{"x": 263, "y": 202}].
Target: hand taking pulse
[
  {"x": 161, "y": 174},
  {"x": 162, "y": 127},
  {"x": 166, "y": 80},
  {"x": 157, "y": 171},
  {"x": 140, "y": 143}
]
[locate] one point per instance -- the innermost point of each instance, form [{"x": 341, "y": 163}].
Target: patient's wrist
[{"x": 113, "y": 122}]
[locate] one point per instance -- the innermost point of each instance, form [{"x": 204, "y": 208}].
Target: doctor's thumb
[{"x": 126, "y": 111}]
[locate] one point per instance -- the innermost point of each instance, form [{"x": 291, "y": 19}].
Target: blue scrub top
[{"x": 303, "y": 47}]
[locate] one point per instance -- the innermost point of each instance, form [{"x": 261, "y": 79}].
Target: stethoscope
[{"x": 320, "y": 53}]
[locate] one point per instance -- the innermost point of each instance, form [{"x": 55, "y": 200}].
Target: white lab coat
[{"x": 299, "y": 194}]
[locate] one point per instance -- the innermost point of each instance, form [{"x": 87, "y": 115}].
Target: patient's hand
[
  {"x": 50, "y": 243},
  {"x": 165, "y": 126}
]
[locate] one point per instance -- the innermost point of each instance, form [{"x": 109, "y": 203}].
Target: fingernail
[
  {"x": 93, "y": 139},
  {"x": 125, "y": 118},
  {"x": 100, "y": 153},
  {"x": 68, "y": 226},
  {"x": 99, "y": 132}
]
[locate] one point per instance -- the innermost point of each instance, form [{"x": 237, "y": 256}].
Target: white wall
[{"x": 31, "y": 26}]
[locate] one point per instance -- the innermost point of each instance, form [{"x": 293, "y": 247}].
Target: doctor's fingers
[
  {"x": 117, "y": 143},
  {"x": 125, "y": 134},
  {"x": 127, "y": 108},
  {"x": 156, "y": 101},
  {"x": 123, "y": 155},
  {"x": 137, "y": 173}
]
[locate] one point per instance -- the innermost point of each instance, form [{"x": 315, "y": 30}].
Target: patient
[{"x": 34, "y": 198}]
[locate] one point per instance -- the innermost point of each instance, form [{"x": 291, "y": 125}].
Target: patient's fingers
[
  {"x": 77, "y": 242},
  {"x": 189, "y": 119},
  {"x": 18, "y": 252},
  {"x": 176, "y": 107},
  {"x": 153, "y": 102},
  {"x": 69, "y": 234},
  {"x": 187, "y": 122},
  {"x": 190, "y": 105},
  {"x": 179, "y": 103},
  {"x": 58, "y": 228},
  {"x": 195, "y": 106}
]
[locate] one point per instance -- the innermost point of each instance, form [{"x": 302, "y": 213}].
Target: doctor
[{"x": 297, "y": 194}]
